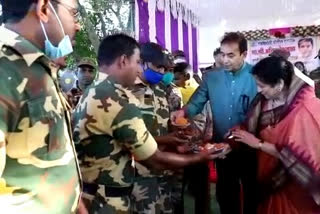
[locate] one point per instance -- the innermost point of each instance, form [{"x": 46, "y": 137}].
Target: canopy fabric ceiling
[
  {"x": 220, "y": 16},
  {"x": 258, "y": 14}
]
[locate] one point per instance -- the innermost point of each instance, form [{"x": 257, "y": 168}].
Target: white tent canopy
[{"x": 218, "y": 16}]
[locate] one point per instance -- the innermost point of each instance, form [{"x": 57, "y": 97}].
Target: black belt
[{"x": 108, "y": 190}]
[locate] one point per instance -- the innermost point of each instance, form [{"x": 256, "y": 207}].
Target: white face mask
[{"x": 64, "y": 47}]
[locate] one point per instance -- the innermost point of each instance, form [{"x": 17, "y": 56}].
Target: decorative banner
[
  {"x": 174, "y": 33},
  {"x": 284, "y": 31},
  {"x": 169, "y": 23},
  {"x": 160, "y": 24},
  {"x": 185, "y": 39},
  {"x": 142, "y": 18},
  {"x": 302, "y": 49},
  {"x": 195, "y": 47},
  {"x": 253, "y": 35},
  {"x": 298, "y": 31},
  {"x": 305, "y": 31}
]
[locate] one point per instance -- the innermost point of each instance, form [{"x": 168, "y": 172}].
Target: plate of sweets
[
  {"x": 218, "y": 147},
  {"x": 181, "y": 123}
]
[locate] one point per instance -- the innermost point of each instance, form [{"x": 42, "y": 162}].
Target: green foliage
[
  {"x": 105, "y": 17},
  {"x": 83, "y": 48}
]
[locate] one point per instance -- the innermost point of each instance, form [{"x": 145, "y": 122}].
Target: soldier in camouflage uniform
[
  {"x": 173, "y": 93},
  {"x": 86, "y": 74},
  {"x": 38, "y": 167},
  {"x": 152, "y": 190},
  {"x": 110, "y": 132},
  {"x": 174, "y": 97}
]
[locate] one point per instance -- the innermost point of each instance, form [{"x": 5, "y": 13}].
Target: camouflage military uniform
[
  {"x": 74, "y": 94},
  {"x": 110, "y": 131},
  {"x": 152, "y": 191},
  {"x": 174, "y": 97},
  {"x": 38, "y": 169}
]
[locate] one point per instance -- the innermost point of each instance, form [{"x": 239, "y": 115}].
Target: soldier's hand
[
  {"x": 177, "y": 114},
  {"x": 183, "y": 149},
  {"x": 171, "y": 139},
  {"x": 211, "y": 153}
]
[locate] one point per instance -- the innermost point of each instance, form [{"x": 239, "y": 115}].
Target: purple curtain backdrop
[
  {"x": 174, "y": 34},
  {"x": 143, "y": 21},
  {"x": 160, "y": 32},
  {"x": 195, "y": 48},
  {"x": 160, "y": 28},
  {"x": 185, "y": 39}
]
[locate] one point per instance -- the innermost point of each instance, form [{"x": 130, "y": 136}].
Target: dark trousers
[
  {"x": 197, "y": 179},
  {"x": 238, "y": 169}
]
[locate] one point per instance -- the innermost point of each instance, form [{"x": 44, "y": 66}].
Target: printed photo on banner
[{"x": 301, "y": 50}]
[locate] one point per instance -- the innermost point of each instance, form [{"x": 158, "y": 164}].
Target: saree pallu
[{"x": 295, "y": 130}]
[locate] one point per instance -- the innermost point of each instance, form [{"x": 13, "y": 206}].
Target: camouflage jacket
[
  {"x": 174, "y": 97},
  {"x": 38, "y": 167},
  {"x": 155, "y": 113},
  {"x": 154, "y": 107},
  {"x": 109, "y": 129}
]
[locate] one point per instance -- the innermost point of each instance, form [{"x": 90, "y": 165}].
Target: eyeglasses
[{"x": 73, "y": 11}]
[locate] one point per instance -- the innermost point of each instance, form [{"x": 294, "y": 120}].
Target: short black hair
[
  {"x": 217, "y": 52},
  {"x": 181, "y": 68},
  {"x": 235, "y": 37},
  {"x": 15, "y": 10},
  {"x": 169, "y": 60},
  {"x": 296, "y": 64},
  {"x": 115, "y": 46},
  {"x": 178, "y": 53},
  {"x": 154, "y": 53},
  {"x": 271, "y": 70},
  {"x": 305, "y": 40},
  {"x": 299, "y": 63}
]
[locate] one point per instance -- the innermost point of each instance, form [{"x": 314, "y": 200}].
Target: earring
[{"x": 279, "y": 89}]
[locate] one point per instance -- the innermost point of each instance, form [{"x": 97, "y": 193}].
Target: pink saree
[{"x": 298, "y": 128}]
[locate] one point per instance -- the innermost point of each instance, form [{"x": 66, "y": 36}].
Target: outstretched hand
[{"x": 246, "y": 137}]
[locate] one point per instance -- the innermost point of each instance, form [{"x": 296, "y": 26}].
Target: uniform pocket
[
  {"x": 42, "y": 110},
  {"x": 45, "y": 128}
]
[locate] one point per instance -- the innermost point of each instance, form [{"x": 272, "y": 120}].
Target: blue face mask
[
  {"x": 152, "y": 77},
  {"x": 167, "y": 78},
  {"x": 64, "y": 47}
]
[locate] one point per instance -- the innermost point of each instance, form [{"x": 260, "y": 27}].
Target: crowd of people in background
[{"x": 137, "y": 129}]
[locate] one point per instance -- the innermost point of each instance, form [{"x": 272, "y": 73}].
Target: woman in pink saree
[{"x": 284, "y": 126}]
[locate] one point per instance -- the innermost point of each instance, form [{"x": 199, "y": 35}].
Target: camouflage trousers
[
  {"x": 152, "y": 196},
  {"x": 99, "y": 204},
  {"x": 177, "y": 195}
]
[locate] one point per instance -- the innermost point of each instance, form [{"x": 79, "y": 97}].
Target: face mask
[
  {"x": 167, "y": 78},
  {"x": 64, "y": 47},
  {"x": 152, "y": 77}
]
